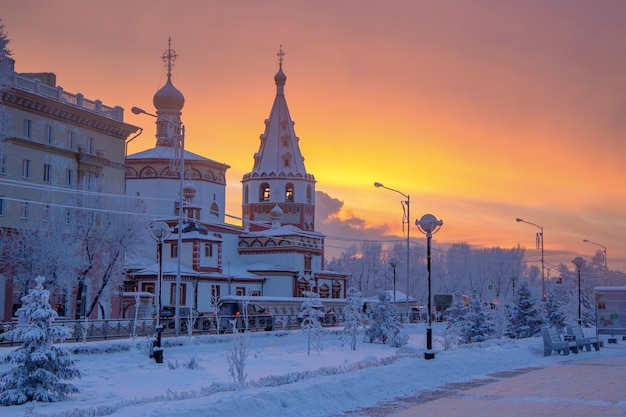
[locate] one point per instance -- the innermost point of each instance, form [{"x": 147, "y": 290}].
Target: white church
[{"x": 275, "y": 252}]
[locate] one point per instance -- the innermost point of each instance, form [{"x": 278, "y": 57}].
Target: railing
[
  {"x": 94, "y": 330},
  {"x": 76, "y": 100}
]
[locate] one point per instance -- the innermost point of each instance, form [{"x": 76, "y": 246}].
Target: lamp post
[
  {"x": 429, "y": 225},
  {"x": 159, "y": 231},
  {"x": 406, "y": 208},
  {"x": 579, "y": 262},
  {"x": 539, "y": 246},
  {"x": 606, "y": 265},
  {"x": 180, "y": 142},
  {"x": 394, "y": 262}
]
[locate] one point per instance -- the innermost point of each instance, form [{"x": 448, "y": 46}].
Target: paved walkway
[
  {"x": 594, "y": 387},
  {"x": 582, "y": 388}
]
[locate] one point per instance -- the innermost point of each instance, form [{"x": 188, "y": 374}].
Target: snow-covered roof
[
  {"x": 285, "y": 230},
  {"x": 169, "y": 153}
]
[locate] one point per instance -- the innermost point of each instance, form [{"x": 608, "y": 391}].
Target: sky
[
  {"x": 481, "y": 111},
  {"x": 371, "y": 374}
]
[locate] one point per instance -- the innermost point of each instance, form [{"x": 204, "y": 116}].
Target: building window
[
  {"x": 240, "y": 291},
  {"x": 1, "y": 206},
  {"x": 208, "y": 250},
  {"x": 289, "y": 192},
  {"x": 245, "y": 194},
  {"x": 46, "y": 172},
  {"x": 148, "y": 287},
  {"x": 68, "y": 177},
  {"x": 264, "y": 192},
  {"x": 28, "y": 128},
  {"x": 182, "y": 296},
  {"x": 307, "y": 262},
  {"x": 174, "y": 250},
  {"x": 3, "y": 164},
  {"x": 214, "y": 210},
  {"x": 50, "y": 134},
  {"x": 70, "y": 140},
  {"x": 90, "y": 144},
  {"x": 24, "y": 210},
  {"x": 308, "y": 194},
  {"x": 26, "y": 168}
]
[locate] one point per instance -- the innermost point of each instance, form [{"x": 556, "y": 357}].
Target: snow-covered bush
[
  {"x": 384, "y": 324},
  {"x": 40, "y": 365},
  {"x": 525, "y": 319},
  {"x": 353, "y": 317}
]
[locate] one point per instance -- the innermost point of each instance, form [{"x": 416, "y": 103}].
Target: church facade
[{"x": 274, "y": 251}]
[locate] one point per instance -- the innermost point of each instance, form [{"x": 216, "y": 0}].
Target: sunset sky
[{"x": 482, "y": 111}]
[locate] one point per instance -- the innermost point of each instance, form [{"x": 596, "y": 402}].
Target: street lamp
[
  {"x": 606, "y": 266},
  {"x": 539, "y": 246},
  {"x": 394, "y": 262},
  {"x": 159, "y": 231},
  {"x": 579, "y": 262},
  {"x": 429, "y": 225},
  {"x": 181, "y": 148},
  {"x": 406, "y": 208}
]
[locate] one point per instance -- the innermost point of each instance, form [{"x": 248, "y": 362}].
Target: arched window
[
  {"x": 245, "y": 194},
  {"x": 289, "y": 192},
  {"x": 324, "y": 291},
  {"x": 214, "y": 210},
  {"x": 264, "y": 192},
  {"x": 308, "y": 194}
]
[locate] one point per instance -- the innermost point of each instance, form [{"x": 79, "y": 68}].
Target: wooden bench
[
  {"x": 552, "y": 342},
  {"x": 581, "y": 340}
]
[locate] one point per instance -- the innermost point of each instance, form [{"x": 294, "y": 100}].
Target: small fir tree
[
  {"x": 312, "y": 314},
  {"x": 40, "y": 366},
  {"x": 475, "y": 325},
  {"x": 353, "y": 317},
  {"x": 384, "y": 324},
  {"x": 524, "y": 317},
  {"x": 554, "y": 316}
]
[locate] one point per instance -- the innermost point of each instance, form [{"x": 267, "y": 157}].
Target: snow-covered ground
[{"x": 128, "y": 383}]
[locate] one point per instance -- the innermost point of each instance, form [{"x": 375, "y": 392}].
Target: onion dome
[{"x": 168, "y": 97}]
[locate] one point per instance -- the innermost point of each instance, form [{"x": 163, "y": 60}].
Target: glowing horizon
[{"x": 476, "y": 117}]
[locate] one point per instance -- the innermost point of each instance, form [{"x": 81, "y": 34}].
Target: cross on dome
[
  {"x": 281, "y": 55},
  {"x": 169, "y": 57}
]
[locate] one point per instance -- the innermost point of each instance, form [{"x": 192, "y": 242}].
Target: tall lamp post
[
  {"x": 579, "y": 262},
  {"x": 606, "y": 265},
  {"x": 180, "y": 142},
  {"x": 394, "y": 262},
  {"x": 539, "y": 246},
  {"x": 159, "y": 231},
  {"x": 429, "y": 225},
  {"x": 406, "y": 208}
]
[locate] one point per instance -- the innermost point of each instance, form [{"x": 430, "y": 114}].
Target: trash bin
[{"x": 158, "y": 355}]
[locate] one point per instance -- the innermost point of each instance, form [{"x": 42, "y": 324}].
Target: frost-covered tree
[
  {"x": 238, "y": 354},
  {"x": 353, "y": 317},
  {"x": 554, "y": 316},
  {"x": 384, "y": 323},
  {"x": 41, "y": 367},
  {"x": 525, "y": 318},
  {"x": 312, "y": 314},
  {"x": 472, "y": 323}
]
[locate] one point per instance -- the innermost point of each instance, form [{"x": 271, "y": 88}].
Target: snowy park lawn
[{"x": 119, "y": 378}]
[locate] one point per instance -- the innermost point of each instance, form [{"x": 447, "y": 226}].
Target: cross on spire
[
  {"x": 281, "y": 55},
  {"x": 169, "y": 57}
]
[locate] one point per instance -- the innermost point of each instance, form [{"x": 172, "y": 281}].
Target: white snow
[{"x": 130, "y": 384}]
